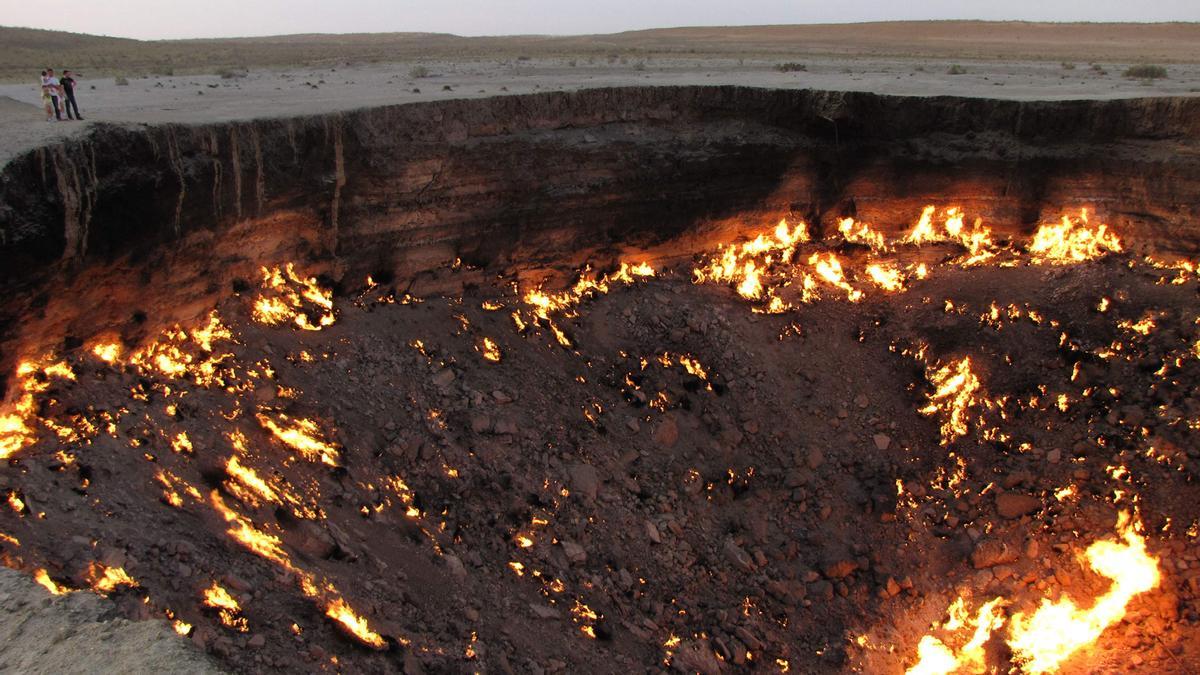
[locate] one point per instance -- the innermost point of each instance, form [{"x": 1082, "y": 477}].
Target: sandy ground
[
  {"x": 266, "y": 93},
  {"x": 35, "y": 637}
]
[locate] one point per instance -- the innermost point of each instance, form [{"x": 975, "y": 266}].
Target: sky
[{"x": 164, "y": 19}]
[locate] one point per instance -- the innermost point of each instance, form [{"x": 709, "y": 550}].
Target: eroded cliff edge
[{"x": 134, "y": 227}]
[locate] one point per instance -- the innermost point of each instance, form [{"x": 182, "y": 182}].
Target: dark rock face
[{"x": 88, "y": 226}]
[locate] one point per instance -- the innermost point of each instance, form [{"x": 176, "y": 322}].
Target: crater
[{"x": 710, "y": 379}]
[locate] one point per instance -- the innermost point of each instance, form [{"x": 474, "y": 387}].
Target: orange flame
[
  {"x": 1059, "y": 629},
  {"x": 1072, "y": 241}
]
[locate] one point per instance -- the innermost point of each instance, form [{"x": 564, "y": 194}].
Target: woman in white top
[
  {"x": 51, "y": 88},
  {"x": 46, "y": 102}
]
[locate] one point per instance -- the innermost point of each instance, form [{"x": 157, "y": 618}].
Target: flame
[
  {"x": 249, "y": 478},
  {"x": 1041, "y": 642},
  {"x": 339, "y": 611},
  {"x": 303, "y": 436},
  {"x": 43, "y": 578},
  {"x": 1072, "y": 241},
  {"x": 292, "y": 297},
  {"x": 955, "y": 387},
  {"x": 830, "y": 269},
  {"x": 886, "y": 277},
  {"x": 861, "y": 233},
  {"x": 105, "y": 580},
  {"x": 107, "y": 352},
  {"x": 227, "y": 607},
  {"x": 489, "y": 350},
  {"x": 1059, "y": 629},
  {"x": 977, "y": 240},
  {"x": 743, "y": 266}
]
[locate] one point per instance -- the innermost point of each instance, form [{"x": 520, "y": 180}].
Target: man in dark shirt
[{"x": 68, "y": 86}]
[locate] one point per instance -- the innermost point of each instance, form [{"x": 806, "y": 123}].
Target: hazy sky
[{"x": 149, "y": 19}]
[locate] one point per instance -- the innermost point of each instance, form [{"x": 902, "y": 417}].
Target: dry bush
[{"x": 1146, "y": 71}]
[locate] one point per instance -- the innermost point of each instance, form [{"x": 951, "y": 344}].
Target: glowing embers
[
  {"x": 1042, "y": 641},
  {"x": 302, "y": 435},
  {"x": 1072, "y": 241},
  {"x": 227, "y": 608},
  {"x": 289, "y": 297},
  {"x": 956, "y": 390}
]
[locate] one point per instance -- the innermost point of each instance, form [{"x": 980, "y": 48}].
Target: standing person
[
  {"x": 46, "y": 98},
  {"x": 68, "y": 89},
  {"x": 50, "y": 82}
]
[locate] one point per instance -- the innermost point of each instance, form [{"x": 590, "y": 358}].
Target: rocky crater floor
[{"x": 651, "y": 468}]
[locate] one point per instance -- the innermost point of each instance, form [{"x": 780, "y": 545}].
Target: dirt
[
  {"x": 84, "y": 633},
  {"x": 660, "y": 519},
  {"x": 275, "y": 92}
]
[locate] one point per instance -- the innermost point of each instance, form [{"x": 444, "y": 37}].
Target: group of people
[{"x": 58, "y": 95}]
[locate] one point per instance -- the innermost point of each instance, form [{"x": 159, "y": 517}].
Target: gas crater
[{"x": 678, "y": 379}]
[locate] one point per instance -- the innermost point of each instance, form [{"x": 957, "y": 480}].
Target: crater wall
[{"x": 130, "y": 226}]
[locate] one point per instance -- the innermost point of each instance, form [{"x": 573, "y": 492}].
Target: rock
[
  {"x": 455, "y": 565},
  {"x": 543, "y": 612},
  {"x": 257, "y": 641},
  {"x": 575, "y": 552},
  {"x": 505, "y": 427},
  {"x": 652, "y": 533},
  {"x": 481, "y": 423},
  {"x": 993, "y": 552},
  {"x": 892, "y": 587},
  {"x": 1015, "y": 505},
  {"x": 584, "y": 481},
  {"x": 815, "y": 458},
  {"x": 443, "y": 377},
  {"x": 840, "y": 569},
  {"x": 882, "y": 441},
  {"x": 862, "y": 401},
  {"x": 738, "y": 556},
  {"x": 666, "y": 433},
  {"x": 501, "y": 397},
  {"x": 696, "y": 656},
  {"x": 1054, "y": 456}
]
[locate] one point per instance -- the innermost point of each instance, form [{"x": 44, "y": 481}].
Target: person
[
  {"x": 68, "y": 90},
  {"x": 46, "y": 99},
  {"x": 50, "y": 83}
]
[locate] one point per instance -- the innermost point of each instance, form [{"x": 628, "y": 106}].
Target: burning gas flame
[
  {"x": 291, "y": 297},
  {"x": 955, "y": 388},
  {"x": 342, "y": 613},
  {"x": 1072, "y": 241},
  {"x": 1059, "y": 629},
  {"x": 860, "y": 233},
  {"x": 303, "y": 436},
  {"x": 227, "y": 607},
  {"x": 1041, "y": 642},
  {"x": 43, "y": 578},
  {"x": 105, "y": 580}
]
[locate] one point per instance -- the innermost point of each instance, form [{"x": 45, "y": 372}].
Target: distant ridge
[{"x": 23, "y": 50}]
